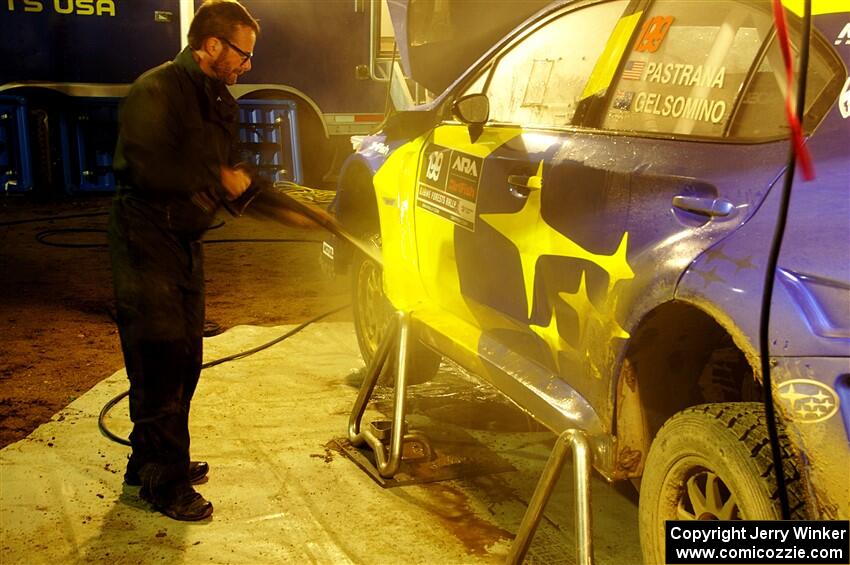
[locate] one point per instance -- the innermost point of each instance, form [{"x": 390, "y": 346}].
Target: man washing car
[{"x": 176, "y": 165}]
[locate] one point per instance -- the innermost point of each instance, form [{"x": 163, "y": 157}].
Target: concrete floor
[{"x": 282, "y": 491}]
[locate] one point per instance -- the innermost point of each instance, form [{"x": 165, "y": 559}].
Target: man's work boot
[
  {"x": 197, "y": 472},
  {"x": 180, "y": 502},
  {"x": 212, "y": 328}
]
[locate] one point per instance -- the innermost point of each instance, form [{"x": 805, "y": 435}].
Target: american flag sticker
[
  {"x": 634, "y": 70},
  {"x": 623, "y": 100}
]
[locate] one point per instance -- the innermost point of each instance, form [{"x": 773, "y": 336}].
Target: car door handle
[
  {"x": 524, "y": 182},
  {"x": 713, "y": 207}
]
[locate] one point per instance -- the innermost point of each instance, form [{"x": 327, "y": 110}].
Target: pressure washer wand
[{"x": 269, "y": 200}]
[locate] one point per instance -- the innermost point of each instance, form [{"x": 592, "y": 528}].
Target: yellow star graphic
[
  {"x": 557, "y": 345},
  {"x": 550, "y": 333},
  {"x": 534, "y": 238},
  {"x": 580, "y": 302}
]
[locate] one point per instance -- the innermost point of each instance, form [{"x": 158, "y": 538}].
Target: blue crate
[
  {"x": 268, "y": 140},
  {"x": 15, "y": 160},
  {"x": 268, "y": 136},
  {"x": 88, "y": 132}
]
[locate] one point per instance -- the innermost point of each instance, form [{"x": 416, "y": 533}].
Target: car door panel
[{"x": 560, "y": 276}]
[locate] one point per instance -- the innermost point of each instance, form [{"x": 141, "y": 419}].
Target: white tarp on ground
[{"x": 262, "y": 423}]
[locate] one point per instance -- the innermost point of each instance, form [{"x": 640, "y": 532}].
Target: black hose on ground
[
  {"x": 44, "y": 236},
  {"x": 50, "y": 219},
  {"x": 101, "y": 419},
  {"x": 71, "y": 216}
]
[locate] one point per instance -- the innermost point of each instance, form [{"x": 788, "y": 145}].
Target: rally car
[{"x": 583, "y": 219}]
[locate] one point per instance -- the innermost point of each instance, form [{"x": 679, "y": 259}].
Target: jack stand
[
  {"x": 387, "y": 460},
  {"x": 577, "y": 441}
]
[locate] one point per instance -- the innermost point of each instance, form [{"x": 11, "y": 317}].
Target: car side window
[
  {"x": 686, "y": 68},
  {"x": 541, "y": 79},
  {"x": 761, "y": 110}
]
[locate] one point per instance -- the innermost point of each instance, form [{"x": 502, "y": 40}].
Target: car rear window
[
  {"x": 688, "y": 64},
  {"x": 687, "y": 74}
]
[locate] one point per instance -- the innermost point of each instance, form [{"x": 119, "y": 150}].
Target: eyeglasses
[{"x": 246, "y": 56}]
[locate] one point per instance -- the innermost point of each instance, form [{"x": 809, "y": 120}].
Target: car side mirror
[{"x": 472, "y": 109}]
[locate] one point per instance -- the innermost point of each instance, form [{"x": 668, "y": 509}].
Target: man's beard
[{"x": 223, "y": 72}]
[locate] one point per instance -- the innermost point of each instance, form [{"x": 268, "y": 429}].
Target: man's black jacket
[{"x": 177, "y": 127}]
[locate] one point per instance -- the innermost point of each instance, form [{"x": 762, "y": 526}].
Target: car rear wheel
[
  {"x": 372, "y": 313},
  {"x": 713, "y": 462}
]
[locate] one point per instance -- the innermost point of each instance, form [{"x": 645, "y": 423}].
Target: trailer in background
[{"x": 320, "y": 75}]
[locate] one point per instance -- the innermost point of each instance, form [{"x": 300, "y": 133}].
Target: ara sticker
[
  {"x": 844, "y": 36},
  {"x": 808, "y": 401},
  {"x": 653, "y": 33},
  {"x": 448, "y": 184}
]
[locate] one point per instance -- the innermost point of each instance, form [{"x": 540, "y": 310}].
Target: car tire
[
  {"x": 713, "y": 462},
  {"x": 372, "y": 312}
]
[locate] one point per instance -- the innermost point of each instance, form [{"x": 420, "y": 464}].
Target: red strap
[{"x": 800, "y": 150}]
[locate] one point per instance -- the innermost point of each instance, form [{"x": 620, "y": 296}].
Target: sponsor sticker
[
  {"x": 653, "y": 33},
  {"x": 448, "y": 184},
  {"x": 380, "y": 148}
]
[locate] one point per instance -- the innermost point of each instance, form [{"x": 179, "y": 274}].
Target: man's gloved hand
[{"x": 235, "y": 181}]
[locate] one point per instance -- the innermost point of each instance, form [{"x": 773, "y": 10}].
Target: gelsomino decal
[
  {"x": 448, "y": 184},
  {"x": 807, "y": 401}
]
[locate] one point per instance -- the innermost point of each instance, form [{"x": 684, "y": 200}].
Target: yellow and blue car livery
[{"x": 605, "y": 271}]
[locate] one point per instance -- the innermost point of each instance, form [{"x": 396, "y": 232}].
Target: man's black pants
[{"x": 159, "y": 288}]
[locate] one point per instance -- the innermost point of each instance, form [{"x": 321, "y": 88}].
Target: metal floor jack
[
  {"x": 396, "y": 344},
  {"x": 387, "y": 458}
]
